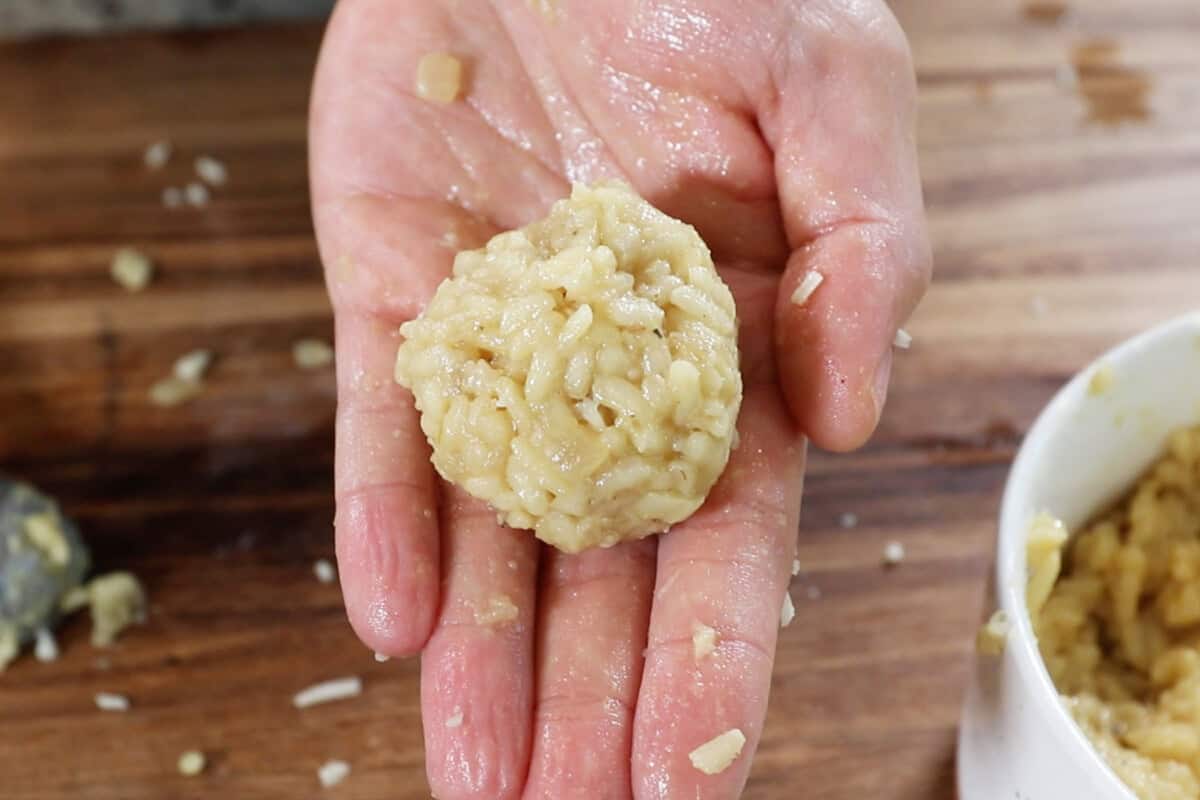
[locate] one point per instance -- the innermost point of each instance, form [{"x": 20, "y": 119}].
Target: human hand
[{"x": 783, "y": 131}]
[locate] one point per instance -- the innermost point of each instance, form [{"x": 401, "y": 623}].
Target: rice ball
[{"x": 581, "y": 374}]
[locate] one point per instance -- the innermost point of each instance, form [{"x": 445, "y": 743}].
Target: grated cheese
[
  {"x": 331, "y": 773},
  {"x": 788, "y": 612},
  {"x": 704, "y": 640},
  {"x": 718, "y": 753},
  {"x": 328, "y": 692},
  {"x": 108, "y": 701},
  {"x": 808, "y": 284}
]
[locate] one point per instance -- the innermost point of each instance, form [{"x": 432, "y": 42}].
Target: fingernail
[{"x": 879, "y": 385}]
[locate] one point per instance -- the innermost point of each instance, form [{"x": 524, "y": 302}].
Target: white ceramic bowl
[{"x": 1016, "y": 739}]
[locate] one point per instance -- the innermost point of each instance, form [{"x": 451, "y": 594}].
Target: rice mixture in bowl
[
  {"x": 1120, "y": 629},
  {"x": 581, "y": 374}
]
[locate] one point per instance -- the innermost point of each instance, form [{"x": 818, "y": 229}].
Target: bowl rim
[{"x": 1009, "y": 572}]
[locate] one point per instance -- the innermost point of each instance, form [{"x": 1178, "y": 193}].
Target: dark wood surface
[{"x": 1064, "y": 217}]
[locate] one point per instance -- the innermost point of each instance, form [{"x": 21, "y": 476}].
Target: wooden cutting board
[{"x": 1061, "y": 155}]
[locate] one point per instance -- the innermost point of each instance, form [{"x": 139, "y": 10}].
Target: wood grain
[{"x": 1057, "y": 233}]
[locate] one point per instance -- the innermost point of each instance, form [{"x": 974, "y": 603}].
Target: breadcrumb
[{"x": 903, "y": 339}]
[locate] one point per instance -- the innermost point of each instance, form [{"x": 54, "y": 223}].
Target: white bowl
[{"x": 1016, "y": 739}]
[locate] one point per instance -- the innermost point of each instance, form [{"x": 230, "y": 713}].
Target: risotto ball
[{"x": 581, "y": 374}]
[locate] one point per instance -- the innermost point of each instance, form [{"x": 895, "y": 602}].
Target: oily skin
[{"x": 783, "y": 130}]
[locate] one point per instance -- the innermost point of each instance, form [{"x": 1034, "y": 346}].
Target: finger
[
  {"x": 725, "y": 569},
  {"x": 846, "y": 166},
  {"x": 386, "y": 523},
  {"x": 477, "y": 670},
  {"x": 593, "y": 611}
]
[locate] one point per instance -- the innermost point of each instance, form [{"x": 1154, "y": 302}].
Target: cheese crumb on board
[
  {"x": 45, "y": 647},
  {"x": 893, "y": 554},
  {"x": 903, "y": 339},
  {"x": 132, "y": 269},
  {"x": 192, "y": 366},
  {"x": 795, "y": 566},
  {"x": 191, "y": 763},
  {"x": 109, "y": 701},
  {"x": 157, "y": 154},
  {"x": 993, "y": 634},
  {"x": 788, "y": 612},
  {"x": 211, "y": 171},
  {"x": 117, "y": 601},
  {"x": 171, "y": 392},
  {"x": 848, "y": 520},
  {"x": 196, "y": 194},
  {"x": 808, "y": 284},
  {"x": 715, "y": 755},
  {"x": 381, "y": 658},
  {"x": 312, "y": 354},
  {"x": 331, "y": 773},
  {"x": 439, "y": 77},
  {"x": 704, "y": 640},
  {"x": 328, "y": 692},
  {"x": 324, "y": 570},
  {"x": 172, "y": 197}
]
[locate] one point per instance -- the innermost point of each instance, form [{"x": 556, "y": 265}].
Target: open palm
[{"x": 783, "y": 132}]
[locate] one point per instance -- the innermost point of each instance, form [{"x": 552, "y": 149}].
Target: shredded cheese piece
[
  {"x": 808, "y": 284},
  {"x": 108, "y": 701},
  {"x": 328, "y": 692},
  {"x": 191, "y": 763},
  {"x": 439, "y": 77},
  {"x": 331, "y": 773},
  {"x": 715, "y": 755},
  {"x": 993, "y": 634},
  {"x": 704, "y": 640},
  {"x": 788, "y": 612}
]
